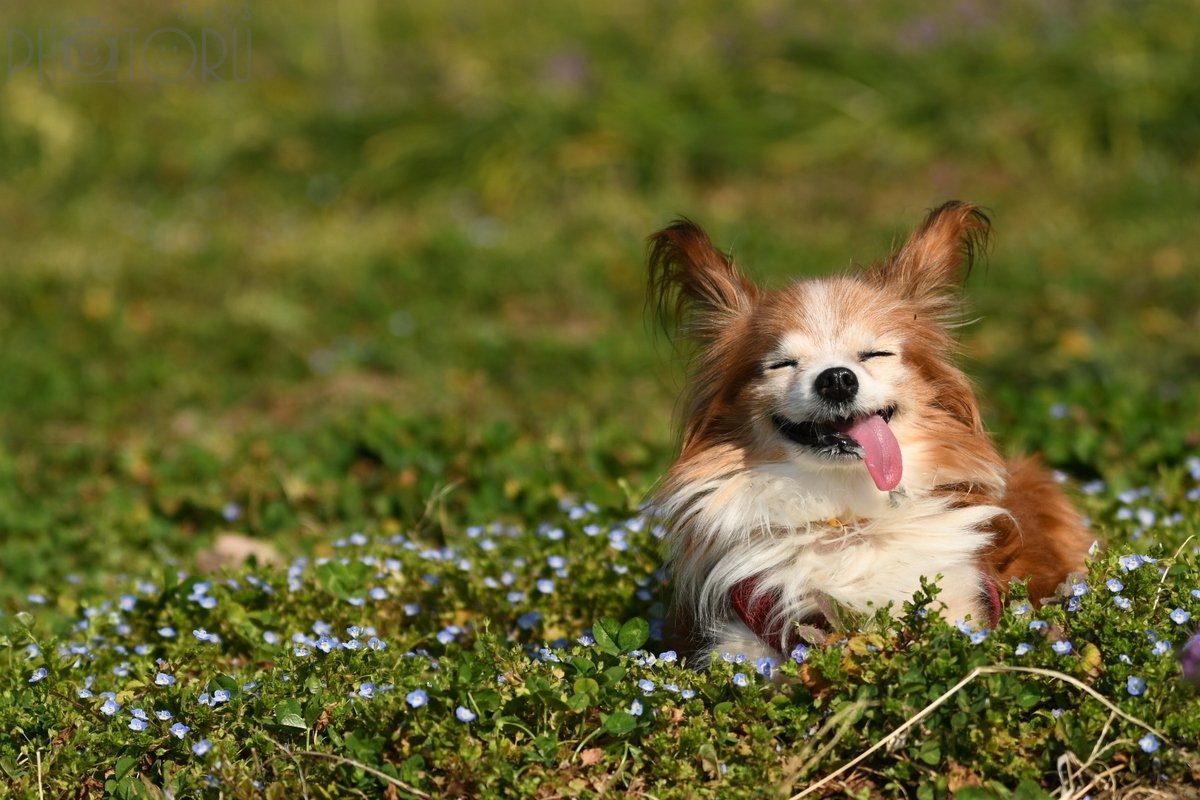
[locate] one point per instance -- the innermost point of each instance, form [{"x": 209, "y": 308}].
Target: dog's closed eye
[
  {"x": 783, "y": 364},
  {"x": 869, "y": 354}
]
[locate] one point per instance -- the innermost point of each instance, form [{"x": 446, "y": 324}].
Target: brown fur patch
[{"x": 1045, "y": 541}]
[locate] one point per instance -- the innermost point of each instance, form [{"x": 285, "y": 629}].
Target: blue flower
[
  {"x": 464, "y": 714},
  {"x": 179, "y": 730},
  {"x": 1079, "y": 589},
  {"x": 1038, "y": 625},
  {"x": 741, "y": 679},
  {"x": 136, "y": 724},
  {"x": 110, "y": 707},
  {"x": 1122, "y": 602},
  {"x": 375, "y": 643},
  {"x": 139, "y": 713},
  {"x": 1179, "y": 616},
  {"x": 1161, "y": 647},
  {"x": 1023, "y": 648},
  {"x": 220, "y": 696},
  {"x": 163, "y": 714},
  {"x": 1062, "y": 647},
  {"x": 1148, "y": 743},
  {"x": 38, "y": 674},
  {"x": 636, "y": 708},
  {"x": 666, "y": 656},
  {"x": 1022, "y": 608},
  {"x": 765, "y": 666},
  {"x": 202, "y": 747},
  {"x": 167, "y": 632},
  {"x": 545, "y": 586},
  {"x": 647, "y": 686},
  {"x": 163, "y": 679},
  {"x": 1135, "y": 686},
  {"x": 1130, "y": 562},
  {"x": 366, "y": 690},
  {"x": 270, "y": 637},
  {"x": 1114, "y": 585},
  {"x": 528, "y": 620},
  {"x": 687, "y": 694},
  {"x": 417, "y": 698},
  {"x": 799, "y": 654}
]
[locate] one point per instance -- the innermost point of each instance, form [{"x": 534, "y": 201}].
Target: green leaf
[
  {"x": 1029, "y": 790},
  {"x": 582, "y": 665},
  {"x": 620, "y": 723},
  {"x": 633, "y": 634},
  {"x": 289, "y": 715},
  {"x": 606, "y": 631},
  {"x": 930, "y": 752},
  {"x": 343, "y": 580},
  {"x": 975, "y": 793},
  {"x": 122, "y": 767},
  {"x": 613, "y": 675}
]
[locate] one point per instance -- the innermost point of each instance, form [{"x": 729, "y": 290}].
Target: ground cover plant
[{"x": 377, "y": 306}]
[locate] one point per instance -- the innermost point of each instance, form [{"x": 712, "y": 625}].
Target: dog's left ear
[{"x": 938, "y": 255}]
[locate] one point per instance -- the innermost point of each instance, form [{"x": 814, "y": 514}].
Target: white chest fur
[{"x": 812, "y": 536}]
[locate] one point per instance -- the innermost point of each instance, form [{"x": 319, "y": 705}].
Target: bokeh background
[{"x": 301, "y": 268}]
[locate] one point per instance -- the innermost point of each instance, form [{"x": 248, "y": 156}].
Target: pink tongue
[{"x": 881, "y": 452}]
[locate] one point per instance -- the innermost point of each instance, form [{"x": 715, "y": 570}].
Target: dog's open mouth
[{"x": 868, "y": 437}]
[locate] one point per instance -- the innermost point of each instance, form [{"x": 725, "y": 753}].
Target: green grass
[{"x": 393, "y": 283}]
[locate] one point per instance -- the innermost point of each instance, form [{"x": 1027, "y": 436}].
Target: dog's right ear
[{"x": 693, "y": 285}]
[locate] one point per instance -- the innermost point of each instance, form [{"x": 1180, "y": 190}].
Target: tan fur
[{"x": 1045, "y": 541}]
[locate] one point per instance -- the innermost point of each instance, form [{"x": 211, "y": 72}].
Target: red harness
[{"x": 756, "y": 612}]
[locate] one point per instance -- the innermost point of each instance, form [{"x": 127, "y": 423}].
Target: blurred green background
[{"x": 382, "y": 265}]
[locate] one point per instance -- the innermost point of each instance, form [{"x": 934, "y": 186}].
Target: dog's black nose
[{"x": 837, "y": 385}]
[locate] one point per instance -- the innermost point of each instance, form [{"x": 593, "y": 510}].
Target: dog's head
[{"x": 830, "y": 373}]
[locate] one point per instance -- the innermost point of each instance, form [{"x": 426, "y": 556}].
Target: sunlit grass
[{"x": 393, "y": 283}]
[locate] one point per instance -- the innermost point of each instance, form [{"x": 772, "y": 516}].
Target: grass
[{"x": 391, "y": 283}]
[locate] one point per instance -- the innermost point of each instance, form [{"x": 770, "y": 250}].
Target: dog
[{"x": 833, "y": 456}]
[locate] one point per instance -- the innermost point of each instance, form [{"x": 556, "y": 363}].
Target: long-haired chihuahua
[{"x": 833, "y": 455}]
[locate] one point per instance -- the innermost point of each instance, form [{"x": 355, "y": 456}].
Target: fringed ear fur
[
  {"x": 938, "y": 255},
  {"x": 693, "y": 285}
]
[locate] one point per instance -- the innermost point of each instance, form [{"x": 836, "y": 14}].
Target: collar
[{"x": 757, "y": 610}]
